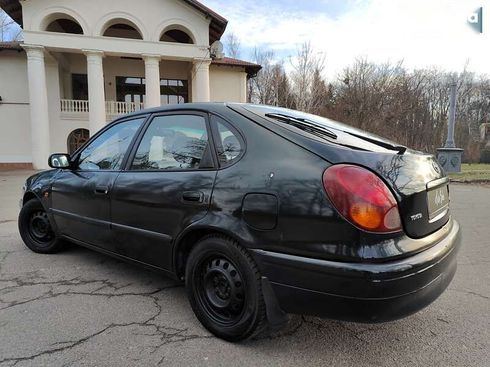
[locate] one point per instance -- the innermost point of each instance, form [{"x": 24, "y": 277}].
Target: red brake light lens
[{"x": 362, "y": 198}]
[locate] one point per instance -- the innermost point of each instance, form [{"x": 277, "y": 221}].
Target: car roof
[{"x": 202, "y": 106}]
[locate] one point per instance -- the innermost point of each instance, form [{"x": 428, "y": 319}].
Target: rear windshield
[{"x": 342, "y": 131}]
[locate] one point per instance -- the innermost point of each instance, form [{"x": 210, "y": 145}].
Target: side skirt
[{"x": 121, "y": 257}]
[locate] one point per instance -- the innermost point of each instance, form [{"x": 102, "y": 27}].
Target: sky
[{"x": 422, "y": 33}]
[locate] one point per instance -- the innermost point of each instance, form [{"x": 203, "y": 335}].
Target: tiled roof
[
  {"x": 218, "y": 23},
  {"x": 14, "y": 45}
]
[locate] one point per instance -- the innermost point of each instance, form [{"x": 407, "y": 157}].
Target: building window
[
  {"x": 76, "y": 139},
  {"x": 173, "y": 91},
  {"x": 132, "y": 89},
  {"x": 176, "y": 35},
  {"x": 79, "y": 87},
  {"x": 64, "y": 24},
  {"x": 122, "y": 28}
]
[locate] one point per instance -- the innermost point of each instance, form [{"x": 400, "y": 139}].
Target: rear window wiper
[{"x": 304, "y": 125}]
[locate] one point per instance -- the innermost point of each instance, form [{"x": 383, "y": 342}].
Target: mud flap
[{"x": 276, "y": 317}]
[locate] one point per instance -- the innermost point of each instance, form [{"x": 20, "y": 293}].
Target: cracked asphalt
[{"x": 81, "y": 308}]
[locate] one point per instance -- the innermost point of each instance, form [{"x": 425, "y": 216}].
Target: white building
[{"x": 84, "y": 62}]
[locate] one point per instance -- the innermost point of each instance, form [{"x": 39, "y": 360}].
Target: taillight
[{"x": 362, "y": 198}]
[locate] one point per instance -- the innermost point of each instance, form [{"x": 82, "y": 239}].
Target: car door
[
  {"x": 167, "y": 186},
  {"x": 81, "y": 195}
]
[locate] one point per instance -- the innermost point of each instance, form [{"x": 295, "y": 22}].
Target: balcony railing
[
  {"x": 121, "y": 108},
  {"x": 78, "y": 109},
  {"x": 74, "y": 106}
]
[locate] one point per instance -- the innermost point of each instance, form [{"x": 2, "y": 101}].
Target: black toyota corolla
[{"x": 261, "y": 211}]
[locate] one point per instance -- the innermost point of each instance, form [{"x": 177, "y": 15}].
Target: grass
[
  {"x": 472, "y": 172},
  {"x": 475, "y": 167}
]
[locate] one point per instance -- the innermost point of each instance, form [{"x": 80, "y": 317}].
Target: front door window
[{"x": 107, "y": 151}]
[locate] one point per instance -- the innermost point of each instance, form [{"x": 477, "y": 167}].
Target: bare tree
[
  {"x": 232, "y": 45},
  {"x": 281, "y": 87},
  {"x": 9, "y": 30},
  {"x": 307, "y": 69},
  {"x": 411, "y": 106},
  {"x": 271, "y": 85},
  {"x": 261, "y": 87},
  {"x": 319, "y": 93}
]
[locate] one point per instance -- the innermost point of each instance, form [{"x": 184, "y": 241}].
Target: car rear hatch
[
  {"x": 420, "y": 186},
  {"x": 416, "y": 178}
]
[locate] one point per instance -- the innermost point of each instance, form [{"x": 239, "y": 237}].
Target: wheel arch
[
  {"x": 189, "y": 238},
  {"x": 29, "y": 195}
]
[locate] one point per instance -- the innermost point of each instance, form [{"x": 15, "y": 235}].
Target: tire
[
  {"x": 224, "y": 289},
  {"x": 35, "y": 229}
]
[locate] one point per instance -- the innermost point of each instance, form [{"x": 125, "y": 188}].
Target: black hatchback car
[{"x": 261, "y": 211}]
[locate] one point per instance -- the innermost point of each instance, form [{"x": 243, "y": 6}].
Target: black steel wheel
[
  {"x": 36, "y": 230},
  {"x": 224, "y": 289},
  {"x": 220, "y": 289},
  {"x": 39, "y": 228}
]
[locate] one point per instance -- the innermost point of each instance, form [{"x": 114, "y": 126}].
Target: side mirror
[{"x": 59, "y": 160}]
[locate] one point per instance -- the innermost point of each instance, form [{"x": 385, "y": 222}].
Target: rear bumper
[{"x": 363, "y": 292}]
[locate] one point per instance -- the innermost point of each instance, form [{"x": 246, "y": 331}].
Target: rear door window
[{"x": 173, "y": 142}]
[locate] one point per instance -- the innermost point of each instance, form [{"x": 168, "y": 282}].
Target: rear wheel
[
  {"x": 35, "y": 229},
  {"x": 224, "y": 289}
]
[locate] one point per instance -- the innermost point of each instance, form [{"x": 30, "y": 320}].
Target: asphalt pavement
[{"x": 82, "y": 308}]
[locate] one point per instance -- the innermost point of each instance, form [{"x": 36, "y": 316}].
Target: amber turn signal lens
[{"x": 366, "y": 215}]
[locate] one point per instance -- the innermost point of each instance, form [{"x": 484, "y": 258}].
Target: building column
[
  {"x": 96, "y": 95},
  {"x": 200, "y": 80},
  {"x": 152, "y": 80},
  {"x": 38, "y": 98}
]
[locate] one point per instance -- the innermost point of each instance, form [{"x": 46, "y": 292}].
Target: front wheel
[
  {"x": 35, "y": 229},
  {"x": 224, "y": 289}
]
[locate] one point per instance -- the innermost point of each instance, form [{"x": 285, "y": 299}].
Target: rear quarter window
[{"x": 230, "y": 145}]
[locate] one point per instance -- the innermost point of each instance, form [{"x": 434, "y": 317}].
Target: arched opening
[
  {"x": 63, "y": 23},
  {"x": 122, "y": 28},
  {"x": 177, "y": 36},
  {"x": 76, "y": 139}
]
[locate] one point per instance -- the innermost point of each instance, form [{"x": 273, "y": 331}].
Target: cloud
[{"x": 421, "y": 32}]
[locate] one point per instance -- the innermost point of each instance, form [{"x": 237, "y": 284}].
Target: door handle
[
  {"x": 194, "y": 196},
  {"x": 102, "y": 190}
]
